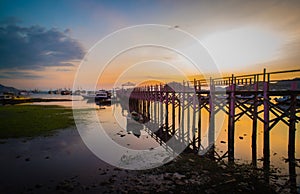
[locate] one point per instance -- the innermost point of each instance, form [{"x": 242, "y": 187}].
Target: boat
[
  {"x": 101, "y": 97},
  {"x": 282, "y": 99},
  {"x": 285, "y": 101},
  {"x": 66, "y": 92},
  {"x": 89, "y": 95},
  {"x": 7, "y": 96},
  {"x": 24, "y": 93}
]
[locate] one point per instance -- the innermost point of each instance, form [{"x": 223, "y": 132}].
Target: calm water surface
[{"x": 48, "y": 160}]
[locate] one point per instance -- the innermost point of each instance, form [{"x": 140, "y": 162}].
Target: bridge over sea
[{"x": 178, "y": 110}]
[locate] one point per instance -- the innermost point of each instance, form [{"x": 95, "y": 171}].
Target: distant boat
[
  {"x": 66, "y": 92},
  {"x": 7, "y": 96},
  {"x": 282, "y": 99},
  {"x": 77, "y": 92},
  {"x": 24, "y": 93},
  {"x": 53, "y": 92},
  {"x": 245, "y": 96},
  {"x": 286, "y": 100},
  {"x": 101, "y": 97}
]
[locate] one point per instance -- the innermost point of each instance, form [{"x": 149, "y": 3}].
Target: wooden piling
[
  {"x": 266, "y": 149},
  {"x": 173, "y": 112},
  {"x": 199, "y": 116},
  {"x": 182, "y": 112},
  {"x": 291, "y": 145},
  {"x": 254, "y": 122},
  {"x": 231, "y": 120},
  {"x": 167, "y": 116},
  {"x": 194, "y": 122},
  {"x": 188, "y": 114},
  {"x": 161, "y": 121},
  {"x": 211, "y": 130}
]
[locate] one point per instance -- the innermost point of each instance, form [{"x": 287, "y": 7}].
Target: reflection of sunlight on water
[
  {"x": 114, "y": 141},
  {"x": 115, "y": 125}
]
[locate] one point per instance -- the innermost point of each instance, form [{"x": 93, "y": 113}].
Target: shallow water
[
  {"x": 28, "y": 164},
  {"x": 40, "y": 161},
  {"x": 40, "y": 164}
]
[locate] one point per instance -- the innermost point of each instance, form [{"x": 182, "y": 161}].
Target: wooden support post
[
  {"x": 211, "y": 130},
  {"x": 149, "y": 109},
  {"x": 144, "y": 106},
  {"x": 291, "y": 145},
  {"x": 254, "y": 122},
  {"x": 231, "y": 118},
  {"x": 199, "y": 117},
  {"x": 182, "y": 111},
  {"x": 173, "y": 112},
  {"x": 167, "y": 116},
  {"x": 188, "y": 114},
  {"x": 161, "y": 121},
  {"x": 199, "y": 123},
  {"x": 194, "y": 123},
  {"x": 155, "y": 103},
  {"x": 266, "y": 151},
  {"x": 179, "y": 120}
]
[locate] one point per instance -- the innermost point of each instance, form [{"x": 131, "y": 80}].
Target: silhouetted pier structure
[{"x": 176, "y": 110}]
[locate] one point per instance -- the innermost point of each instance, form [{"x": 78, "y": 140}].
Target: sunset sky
[{"x": 42, "y": 43}]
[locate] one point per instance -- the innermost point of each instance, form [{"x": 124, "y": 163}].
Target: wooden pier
[{"x": 176, "y": 110}]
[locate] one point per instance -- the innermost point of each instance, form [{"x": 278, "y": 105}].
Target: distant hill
[{"x": 6, "y": 89}]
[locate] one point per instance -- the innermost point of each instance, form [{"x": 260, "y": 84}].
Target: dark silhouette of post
[
  {"x": 199, "y": 116},
  {"x": 182, "y": 112},
  {"x": 166, "y": 115},
  {"x": 173, "y": 112},
  {"x": 291, "y": 144},
  {"x": 254, "y": 120},
  {"x": 231, "y": 117},
  {"x": 211, "y": 130},
  {"x": 266, "y": 149}
]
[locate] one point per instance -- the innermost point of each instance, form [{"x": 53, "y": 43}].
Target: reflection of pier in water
[{"x": 177, "y": 111}]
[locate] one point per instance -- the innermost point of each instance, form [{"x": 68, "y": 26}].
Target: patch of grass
[{"x": 33, "y": 120}]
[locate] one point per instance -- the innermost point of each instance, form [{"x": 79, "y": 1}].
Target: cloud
[
  {"x": 18, "y": 75},
  {"x": 34, "y": 48},
  {"x": 63, "y": 70}
]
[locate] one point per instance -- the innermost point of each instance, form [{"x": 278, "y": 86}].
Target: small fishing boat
[
  {"x": 285, "y": 101},
  {"x": 7, "y": 96},
  {"x": 101, "y": 97},
  {"x": 282, "y": 99},
  {"x": 66, "y": 92}
]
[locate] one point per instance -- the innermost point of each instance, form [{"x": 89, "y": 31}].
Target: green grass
[{"x": 33, "y": 120}]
